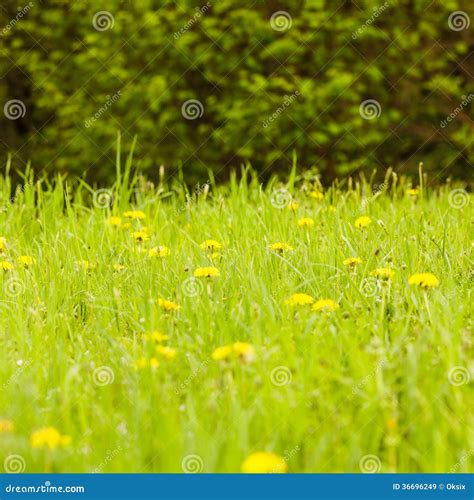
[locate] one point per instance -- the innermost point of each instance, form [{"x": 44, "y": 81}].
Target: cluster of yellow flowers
[
  {"x": 423, "y": 280},
  {"x": 49, "y": 437},
  {"x": 117, "y": 221},
  {"x": 303, "y": 299},
  {"x": 165, "y": 352},
  {"x": 260, "y": 462},
  {"x": 45, "y": 437},
  {"x": 140, "y": 235},
  {"x": 25, "y": 261},
  {"x": 241, "y": 350}
]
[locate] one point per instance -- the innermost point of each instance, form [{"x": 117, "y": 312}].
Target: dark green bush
[{"x": 265, "y": 93}]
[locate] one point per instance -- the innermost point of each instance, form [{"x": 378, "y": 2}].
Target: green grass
[{"x": 372, "y": 378}]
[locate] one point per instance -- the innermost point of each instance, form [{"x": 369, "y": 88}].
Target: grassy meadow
[{"x": 148, "y": 328}]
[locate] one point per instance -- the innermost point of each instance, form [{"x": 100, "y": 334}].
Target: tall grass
[{"x": 388, "y": 374}]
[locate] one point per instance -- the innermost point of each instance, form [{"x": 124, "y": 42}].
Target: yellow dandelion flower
[
  {"x": 140, "y": 236},
  {"x": 412, "y": 192},
  {"x": 264, "y": 462},
  {"x": 156, "y": 337},
  {"x": 325, "y": 305},
  {"x": 6, "y": 266},
  {"x": 306, "y": 222},
  {"x": 221, "y": 353},
  {"x": 154, "y": 363},
  {"x": 26, "y": 261},
  {"x": 114, "y": 221},
  {"x": 425, "y": 280},
  {"x": 118, "y": 267},
  {"x": 352, "y": 261},
  {"x": 49, "y": 437},
  {"x": 317, "y": 195},
  {"x": 241, "y": 350},
  {"x": 299, "y": 299},
  {"x": 385, "y": 273},
  {"x": 244, "y": 350},
  {"x": 6, "y": 426},
  {"x": 167, "y": 352},
  {"x": 160, "y": 251},
  {"x": 211, "y": 245},
  {"x": 206, "y": 272},
  {"x": 280, "y": 247},
  {"x": 135, "y": 214},
  {"x": 363, "y": 222},
  {"x": 141, "y": 363},
  {"x": 391, "y": 424},
  {"x": 168, "y": 305},
  {"x": 293, "y": 205}
]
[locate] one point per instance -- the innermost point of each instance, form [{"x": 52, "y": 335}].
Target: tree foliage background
[{"x": 80, "y": 85}]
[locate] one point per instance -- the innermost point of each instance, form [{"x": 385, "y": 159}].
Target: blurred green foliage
[{"x": 81, "y": 84}]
